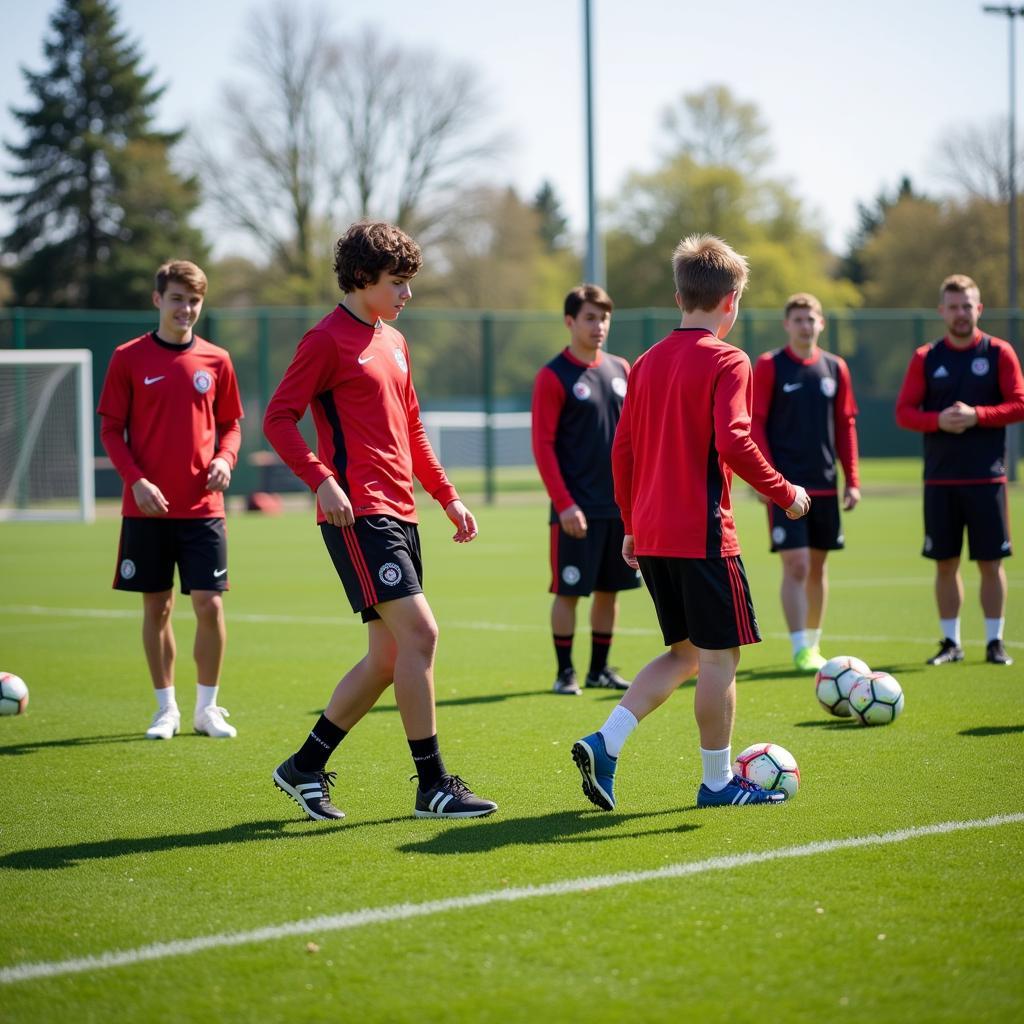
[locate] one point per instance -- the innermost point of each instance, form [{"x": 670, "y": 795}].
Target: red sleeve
[
  {"x": 909, "y": 413},
  {"x": 731, "y": 411},
  {"x": 227, "y": 411},
  {"x": 622, "y": 465},
  {"x": 548, "y": 399},
  {"x": 428, "y": 470},
  {"x": 114, "y": 408},
  {"x": 845, "y": 411},
  {"x": 1011, "y": 384},
  {"x": 311, "y": 371},
  {"x": 764, "y": 388}
]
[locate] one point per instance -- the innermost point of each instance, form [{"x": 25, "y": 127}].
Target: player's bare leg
[
  {"x": 796, "y": 596},
  {"x": 817, "y": 595},
  {"x": 208, "y": 651},
  {"x": 158, "y": 644},
  {"x": 361, "y": 687},
  {"x": 949, "y": 597},
  {"x": 659, "y": 679},
  {"x": 563, "y": 627},
  {"x": 993, "y": 605},
  {"x": 411, "y": 622}
]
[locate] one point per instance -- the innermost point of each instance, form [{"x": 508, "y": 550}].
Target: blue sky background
[{"x": 855, "y": 95}]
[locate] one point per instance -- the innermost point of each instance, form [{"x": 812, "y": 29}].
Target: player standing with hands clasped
[
  {"x": 577, "y": 401},
  {"x": 685, "y": 427},
  {"x": 169, "y": 421},
  {"x": 961, "y": 392}
]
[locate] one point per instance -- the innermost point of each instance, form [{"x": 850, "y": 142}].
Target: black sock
[
  {"x": 320, "y": 743},
  {"x": 563, "y": 651},
  {"x": 599, "y": 646},
  {"x": 426, "y": 755}
]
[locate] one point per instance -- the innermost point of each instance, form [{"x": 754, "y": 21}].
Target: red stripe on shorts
[
  {"x": 739, "y": 602},
  {"x": 556, "y": 529},
  {"x": 359, "y": 563}
]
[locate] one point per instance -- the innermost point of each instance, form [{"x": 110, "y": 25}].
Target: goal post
[{"x": 46, "y": 435}]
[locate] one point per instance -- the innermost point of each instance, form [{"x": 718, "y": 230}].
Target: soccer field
[{"x": 150, "y": 881}]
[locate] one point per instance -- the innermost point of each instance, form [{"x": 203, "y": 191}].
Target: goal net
[
  {"x": 462, "y": 439},
  {"x": 46, "y": 434}
]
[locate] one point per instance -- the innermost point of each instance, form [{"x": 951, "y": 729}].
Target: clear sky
[{"x": 855, "y": 94}]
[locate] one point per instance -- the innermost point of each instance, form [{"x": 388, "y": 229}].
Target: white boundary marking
[
  {"x": 405, "y": 911},
  {"x": 495, "y": 627}
]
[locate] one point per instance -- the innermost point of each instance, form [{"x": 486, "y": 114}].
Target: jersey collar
[{"x": 170, "y": 346}]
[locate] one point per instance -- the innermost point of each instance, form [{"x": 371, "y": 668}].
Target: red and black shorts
[
  {"x": 703, "y": 600},
  {"x": 820, "y": 528},
  {"x": 150, "y": 548},
  {"x": 981, "y": 508},
  {"x": 581, "y": 565},
  {"x": 378, "y": 559}
]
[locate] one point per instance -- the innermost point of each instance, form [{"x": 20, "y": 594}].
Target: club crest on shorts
[
  {"x": 390, "y": 574},
  {"x": 979, "y": 366},
  {"x": 828, "y": 387},
  {"x": 571, "y": 575},
  {"x": 400, "y": 359},
  {"x": 927, "y": 543},
  {"x": 127, "y": 569},
  {"x": 778, "y": 534},
  {"x": 581, "y": 389},
  {"x": 619, "y": 386},
  {"x": 202, "y": 381}
]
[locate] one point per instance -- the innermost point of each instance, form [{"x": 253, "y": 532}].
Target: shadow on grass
[
  {"x": 14, "y": 749},
  {"x": 991, "y": 730},
  {"x": 745, "y": 675},
  {"x": 562, "y": 827},
  {"x": 829, "y": 723},
  {"x": 452, "y": 702}
]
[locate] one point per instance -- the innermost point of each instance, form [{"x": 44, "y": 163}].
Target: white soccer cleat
[
  {"x": 166, "y": 724},
  {"x": 210, "y": 722}
]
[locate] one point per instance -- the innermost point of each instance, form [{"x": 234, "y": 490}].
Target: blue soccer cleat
[
  {"x": 737, "y": 793},
  {"x": 597, "y": 767}
]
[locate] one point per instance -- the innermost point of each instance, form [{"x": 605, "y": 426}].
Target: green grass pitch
[{"x": 109, "y": 843}]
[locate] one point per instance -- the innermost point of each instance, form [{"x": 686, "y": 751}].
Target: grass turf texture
[{"x": 109, "y": 842}]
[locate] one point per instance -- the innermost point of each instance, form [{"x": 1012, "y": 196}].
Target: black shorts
[
  {"x": 982, "y": 508},
  {"x": 820, "y": 528},
  {"x": 150, "y": 547},
  {"x": 703, "y": 600},
  {"x": 377, "y": 559},
  {"x": 579, "y": 566}
]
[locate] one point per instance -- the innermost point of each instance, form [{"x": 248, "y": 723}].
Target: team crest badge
[
  {"x": 927, "y": 543},
  {"x": 571, "y": 575},
  {"x": 390, "y": 574},
  {"x": 400, "y": 359},
  {"x": 979, "y": 367},
  {"x": 127, "y": 569},
  {"x": 828, "y": 387},
  {"x": 619, "y": 386},
  {"x": 202, "y": 381},
  {"x": 581, "y": 389},
  {"x": 778, "y": 534}
]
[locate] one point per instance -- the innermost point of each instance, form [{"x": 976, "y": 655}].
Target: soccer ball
[
  {"x": 876, "y": 699},
  {"x": 770, "y": 766},
  {"x": 833, "y": 681},
  {"x": 13, "y": 694}
]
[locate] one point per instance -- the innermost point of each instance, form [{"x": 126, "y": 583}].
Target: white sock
[
  {"x": 165, "y": 698},
  {"x": 813, "y": 637},
  {"x": 621, "y": 722},
  {"x": 717, "y": 768},
  {"x": 994, "y": 629},
  {"x": 205, "y": 696},
  {"x": 951, "y": 629},
  {"x": 798, "y": 638}
]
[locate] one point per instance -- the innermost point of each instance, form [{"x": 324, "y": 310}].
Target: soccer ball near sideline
[
  {"x": 13, "y": 694},
  {"x": 770, "y": 766},
  {"x": 833, "y": 681},
  {"x": 876, "y": 699}
]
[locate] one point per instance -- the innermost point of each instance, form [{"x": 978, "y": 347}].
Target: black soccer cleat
[
  {"x": 607, "y": 679},
  {"x": 451, "y": 798},
  {"x": 995, "y": 653},
  {"x": 310, "y": 790},
  {"x": 948, "y": 652},
  {"x": 565, "y": 682}
]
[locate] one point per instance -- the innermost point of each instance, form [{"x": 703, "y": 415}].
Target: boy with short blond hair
[
  {"x": 352, "y": 370},
  {"x": 685, "y": 427},
  {"x": 804, "y": 422}
]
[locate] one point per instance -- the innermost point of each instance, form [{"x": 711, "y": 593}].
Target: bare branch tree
[{"x": 974, "y": 159}]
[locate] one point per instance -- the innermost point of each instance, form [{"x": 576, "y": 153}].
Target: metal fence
[{"x": 486, "y": 361}]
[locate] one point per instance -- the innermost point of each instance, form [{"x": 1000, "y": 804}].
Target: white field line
[
  {"x": 404, "y": 911},
  {"x": 482, "y": 626}
]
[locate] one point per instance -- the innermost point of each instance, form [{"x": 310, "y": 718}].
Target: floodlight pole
[{"x": 594, "y": 269}]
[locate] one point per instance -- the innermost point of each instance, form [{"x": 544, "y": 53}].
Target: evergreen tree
[
  {"x": 553, "y": 223},
  {"x": 101, "y": 206}
]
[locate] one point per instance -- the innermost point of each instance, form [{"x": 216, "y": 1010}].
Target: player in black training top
[{"x": 577, "y": 401}]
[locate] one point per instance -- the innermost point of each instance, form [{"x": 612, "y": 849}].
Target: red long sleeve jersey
[
  {"x": 685, "y": 426},
  {"x": 356, "y": 379},
  {"x": 167, "y": 411}
]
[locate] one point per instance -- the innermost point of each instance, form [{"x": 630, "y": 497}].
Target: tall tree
[
  {"x": 101, "y": 206},
  {"x": 553, "y": 222},
  {"x": 870, "y": 218}
]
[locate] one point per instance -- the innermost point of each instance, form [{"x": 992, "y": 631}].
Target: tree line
[{"x": 322, "y": 128}]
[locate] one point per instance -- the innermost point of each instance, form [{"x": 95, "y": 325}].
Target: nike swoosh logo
[
  {"x": 219, "y": 572},
  {"x": 360, "y": 360},
  {"x": 152, "y": 380},
  {"x": 791, "y": 387}
]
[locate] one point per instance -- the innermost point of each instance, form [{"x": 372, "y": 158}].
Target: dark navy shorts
[
  {"x": 151, "y": 546},
  {"x": 579, "y": 566},
  {"x": 820, "y": 528},
  {"x": 980, "y": 508}
]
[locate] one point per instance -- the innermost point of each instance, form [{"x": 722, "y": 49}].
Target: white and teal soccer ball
[
  {"x": 833, "y": 681},
  {"x": 13, "y": 694},
  {"x": 876, "y": 698},
  {"x": 770, "y": 766}
]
